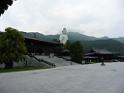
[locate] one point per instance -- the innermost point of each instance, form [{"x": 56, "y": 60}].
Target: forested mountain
[{"x": 109, "y": 44}]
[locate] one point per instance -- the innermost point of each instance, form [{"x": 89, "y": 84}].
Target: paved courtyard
[{"x": 92, "y": 78}]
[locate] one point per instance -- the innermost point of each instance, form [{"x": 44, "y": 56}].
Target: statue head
[{"x": 64, "y": 31}]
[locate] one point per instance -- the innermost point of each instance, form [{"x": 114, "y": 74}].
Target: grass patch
[{"x": 25, "y": 68}]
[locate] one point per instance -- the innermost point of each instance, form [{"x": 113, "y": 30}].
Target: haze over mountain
[
  {"x": 120, "y": 39},
  {"x": 88, "y": 42},
  {"x": 73, "y": 36}
]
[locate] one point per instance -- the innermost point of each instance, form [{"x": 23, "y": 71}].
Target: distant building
[
  {"x": 121, "y": 58},
  {"x": 98, "y": 55}
]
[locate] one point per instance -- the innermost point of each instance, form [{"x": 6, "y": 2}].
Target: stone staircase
[{"x": 56, "y": 60}]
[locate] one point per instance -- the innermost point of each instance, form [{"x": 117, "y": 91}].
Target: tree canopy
[
  {"x": 76, "y": 51},
  {"x": 12, "y": 47},
  {"x": 4, "y": 4}
]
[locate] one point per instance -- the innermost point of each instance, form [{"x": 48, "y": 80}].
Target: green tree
[
  {"x": 67, "y": 45},
  {"x": 4, "y": 4},
  {"x": 12, "y": 47},
  {"x": 76, "y": 51}
]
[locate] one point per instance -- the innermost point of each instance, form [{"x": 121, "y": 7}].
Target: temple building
[
  {"x": 98, "y": 55},
  {"x": 35, "y": 46}
]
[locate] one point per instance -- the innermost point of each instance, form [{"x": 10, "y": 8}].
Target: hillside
[
  {"x": 75, "y": 36},
  {"x": 36, "y": 35},
  {"x": 109, "y": 44}
]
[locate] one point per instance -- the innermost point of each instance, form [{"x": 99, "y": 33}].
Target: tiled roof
[{"x": 101, "y": 51}]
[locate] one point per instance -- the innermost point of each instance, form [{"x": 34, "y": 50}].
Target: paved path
[{"x": 91, "y": 78}]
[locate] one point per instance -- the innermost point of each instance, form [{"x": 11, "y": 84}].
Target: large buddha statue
[{"x": 63, "y": 36}]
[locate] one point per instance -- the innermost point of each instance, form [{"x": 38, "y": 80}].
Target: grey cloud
[{"x": 92, "y": 17}]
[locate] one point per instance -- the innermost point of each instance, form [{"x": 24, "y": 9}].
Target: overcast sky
[{"x": 90, "y": 17}]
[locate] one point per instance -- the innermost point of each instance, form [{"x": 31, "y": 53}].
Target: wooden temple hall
[
  {"x": 35, "y": 46},
  {"x": 99, "y": 55}
]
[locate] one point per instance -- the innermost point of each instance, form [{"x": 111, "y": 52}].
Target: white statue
[{"x": 63, "y": 37}]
